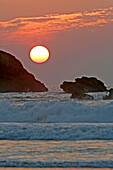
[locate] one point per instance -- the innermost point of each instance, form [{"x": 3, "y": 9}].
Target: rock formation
[
  {"x": 14, "y": 78},
  {"x": 83, "y": 85},
  {"x": 110, "y": 96}
]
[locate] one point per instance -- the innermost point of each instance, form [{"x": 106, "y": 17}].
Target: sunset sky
[{"x": 78, "y": 33}]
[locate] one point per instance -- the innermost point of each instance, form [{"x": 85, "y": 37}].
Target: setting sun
[{"x": 39, "y": 54}]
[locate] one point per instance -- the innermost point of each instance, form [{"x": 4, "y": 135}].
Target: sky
[{"x": 78, "y": 33}]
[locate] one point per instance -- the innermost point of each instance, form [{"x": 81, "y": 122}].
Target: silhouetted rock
[
  {"x": 91, "y": 84},
  {"x": 79, "y": 95},
  {"x": 68, "y": 87},
  {"x": 110, "y": 96},
  {"x": 83, "y": 85},
  {"x": 14, "y": 78}
]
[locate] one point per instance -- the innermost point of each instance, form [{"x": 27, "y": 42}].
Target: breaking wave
[
  {"x": 94, "y": 164},
  {"x": 57, "y": 111},
  {"x": 56, "y": 131}
]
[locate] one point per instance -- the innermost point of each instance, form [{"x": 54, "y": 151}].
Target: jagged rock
[
  {"x": 110, "y": 96},
  {"x": 83, "y": 85},
  {"x": 91, "y": 84},
  {"x": 14, "y": 78},
  {"x": 78, "y": 95},
  {"x": 68, "y": 87}
]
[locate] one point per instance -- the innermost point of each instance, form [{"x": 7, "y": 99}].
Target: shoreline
[{"x": 30, "y": 168}]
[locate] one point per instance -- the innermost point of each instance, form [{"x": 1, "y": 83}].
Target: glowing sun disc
[{"x": 39, "y": 54}]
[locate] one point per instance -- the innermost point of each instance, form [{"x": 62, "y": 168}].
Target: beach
[
  {"x": 40, "y": 132},
  {"x": 56, "y": 85}
]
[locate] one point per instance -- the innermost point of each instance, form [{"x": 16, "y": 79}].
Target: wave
[
  {"x": 93, "y": 164},
  {"x": 57, "y": 111},
  {"x": 56, "y": 131}
]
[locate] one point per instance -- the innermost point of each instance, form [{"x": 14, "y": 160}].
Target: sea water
[{"x": 51, "y": 130}]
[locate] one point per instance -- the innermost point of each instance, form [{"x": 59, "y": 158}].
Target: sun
[{"x": 39, "y": 54}]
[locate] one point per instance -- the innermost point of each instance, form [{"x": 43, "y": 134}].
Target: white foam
[
  {"x": 55, "y": 131},
  {"x": 56, "y": 111}
]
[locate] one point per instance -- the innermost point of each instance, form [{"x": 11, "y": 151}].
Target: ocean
[{"x": 51, "y": 130}]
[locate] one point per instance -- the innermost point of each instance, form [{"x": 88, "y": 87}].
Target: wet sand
[{"x": 13, "y": 168}]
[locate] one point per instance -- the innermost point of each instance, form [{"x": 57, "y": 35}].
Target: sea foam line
[
  {"x": 56, "y": 111},
  {"x": 55, "y": 131}
]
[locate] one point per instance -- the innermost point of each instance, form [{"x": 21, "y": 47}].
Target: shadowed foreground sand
[{"x": 55, "y": 168}]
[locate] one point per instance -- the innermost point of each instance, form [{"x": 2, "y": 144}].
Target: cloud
[{"x": 36, "y": 29}]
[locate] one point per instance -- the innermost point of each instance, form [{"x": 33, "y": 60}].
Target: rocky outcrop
[
  {"x": 83, "y": 85},
  {"x": 79, "y": 95},
  {"x": 91, "y": 84},
  {"x": 110, "y": 96},
  {"x": 14, "y": 78}
]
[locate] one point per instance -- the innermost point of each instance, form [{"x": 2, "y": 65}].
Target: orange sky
[
  {"x": 79, "y": 34},
  {"x": 44, "y": 27},
  {"x": 23, "y": 8}
]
